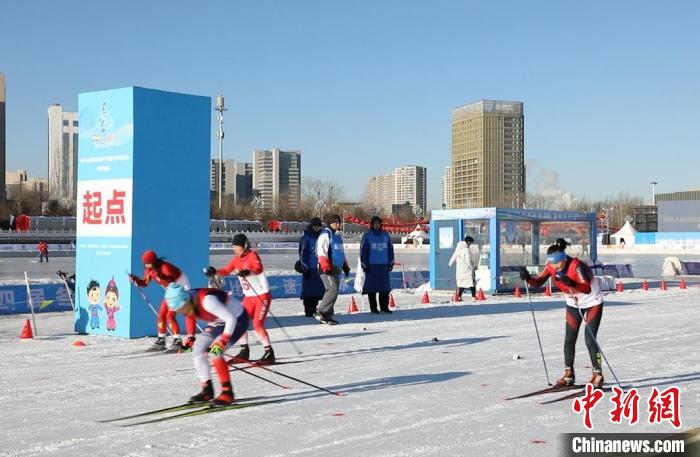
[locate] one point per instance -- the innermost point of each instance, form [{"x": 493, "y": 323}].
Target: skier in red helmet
[{"x": 164, "y": 273}]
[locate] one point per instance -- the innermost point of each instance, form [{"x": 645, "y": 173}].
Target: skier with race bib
[
  {"x": 584, "y": 299},
  {"x": 227, "y": 321}
]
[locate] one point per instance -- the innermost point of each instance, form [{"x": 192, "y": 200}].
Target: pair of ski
[
  {"x": 187, "y": 410},
  {"x": 579, "y": 390}
]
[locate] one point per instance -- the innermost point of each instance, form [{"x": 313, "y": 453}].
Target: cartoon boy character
[
  {"x": 93, "y": 293},
  {"x": 111, "y": 304}
]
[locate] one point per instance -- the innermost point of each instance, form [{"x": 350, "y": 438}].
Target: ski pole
[
  {"x": 62, "y": 275},
  {"x": 595, "y": 340},
  {"x": 258, "y": 376},
  {"x": 539, "y": 341},
  {"x": 269, "y": 311},
  {"x": 296, "y": 379}
]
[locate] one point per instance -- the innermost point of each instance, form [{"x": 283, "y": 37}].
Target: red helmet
[{"x": 149, "y": 257}]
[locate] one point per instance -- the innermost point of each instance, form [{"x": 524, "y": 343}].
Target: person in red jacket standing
[
  {"x": 246, "y": 264},
  {"x": 43, "y": 251},
  {"x": 164, "y": 273},
  {"x": 226, "y": 322},
  {"x": 583, "y": 299}
]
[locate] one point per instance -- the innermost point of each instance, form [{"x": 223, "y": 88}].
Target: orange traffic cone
[
  {"x": 27, "y": 330},
  {"x": 517, "y": 293},
  {"x": 683, "y": 285},
  {"x": 480, "y": 295},
  {"x": 425, "y": 298},
  {"x": 620, "y": 287},
  {"x": 645, "y": 285},
  {"x": 352, "y": 308},
  {"x": 79, "y": 343},
  {"x": 548, "y": 291},
  {"x": 663, "y": 285},
  {"x": 392, "y": 303}
]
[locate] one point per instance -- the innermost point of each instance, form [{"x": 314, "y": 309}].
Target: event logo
[{"x": 102, "y": 138}]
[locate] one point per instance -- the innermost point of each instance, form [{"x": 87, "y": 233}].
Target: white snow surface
[{"x": 404, "y": 394}]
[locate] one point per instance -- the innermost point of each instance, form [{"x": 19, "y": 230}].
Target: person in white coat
[{"x": 465, "y": 268}]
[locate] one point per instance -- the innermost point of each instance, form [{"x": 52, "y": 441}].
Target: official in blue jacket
[
  {"x": 377, "y": 260},
  {"x": 312, "y": 289}
]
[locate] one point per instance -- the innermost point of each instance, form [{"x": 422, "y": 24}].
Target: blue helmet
[{"x": 176, "y": 296}]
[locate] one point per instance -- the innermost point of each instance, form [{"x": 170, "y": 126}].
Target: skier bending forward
[{"x": 227, "y": 321}]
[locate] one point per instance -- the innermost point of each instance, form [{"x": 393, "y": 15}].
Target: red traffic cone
[
  {"x": 352, "y": 308},
  {"x": 480, "y": 295},
  {"x": 425, "y": 298},
  {"x": 548, "y": 291},
  {"x": 620, "y": 287},
  {"x": 683, "y": 285},
  {"x": 663, "y": 285},
  {"x": 392, "y": 303},
  {"x": 78, "y": 343},
  {"x": 517, "y": 293},
  {"x": 27, "y": 330},
  {"x": 455, "y": 298},
  {"x": 645, "y": 285}
]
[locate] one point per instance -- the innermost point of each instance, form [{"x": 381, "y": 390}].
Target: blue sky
[{"x": 611, "y": 89}]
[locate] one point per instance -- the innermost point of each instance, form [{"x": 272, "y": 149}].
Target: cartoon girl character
[
  {"x": 93, "y": 293},
  {"x": 111, "y": 304}
]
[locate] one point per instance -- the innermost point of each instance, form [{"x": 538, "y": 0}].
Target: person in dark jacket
[
  {"x": 377, "y": 260},
  {"x": 312, "y": 289}
]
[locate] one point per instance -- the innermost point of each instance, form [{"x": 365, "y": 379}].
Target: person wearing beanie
[
  {"x": 331, "y": 261},
  {"x": 226, "y": 322},
  {"x": 584, "y": 299},
  {"x": 377, "y": 260},
  {"x": 248, "y": 267},
  {"x": 163, "y": 273},
  {"x": 464, "y": 270},
  {"x": 312, "y": 289}
]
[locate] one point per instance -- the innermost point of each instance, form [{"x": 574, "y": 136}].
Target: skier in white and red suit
[
  {"x": 246, "y": 264},
  {"x": 227, "y": 321},
  {"x": 162, "y": 272},
  {"x": 583, "y": 298}
]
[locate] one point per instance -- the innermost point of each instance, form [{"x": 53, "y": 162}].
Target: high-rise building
[
  {"x": 3, "y": 196},
  {"x": 410, "y": 186},
  {"x": 18, "y": 182},
  {"x": 447, "y": 188},
  {"x": 488, "y": 167},
  {"x": 63, "y": 154},
  {"x": 237, "y": 179},
  {"x": 277, "y": 178},
  {"x": 406, "y": 184}
]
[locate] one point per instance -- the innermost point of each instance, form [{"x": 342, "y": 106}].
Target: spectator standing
[{"x": 377, "y": 260}]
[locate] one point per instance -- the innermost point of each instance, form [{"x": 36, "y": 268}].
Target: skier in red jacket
[
  {"x": 583, "y": 298},
  {"x": 247, "y": 266},
  {"x": 227, "y": 322},
  {"x": 163, "y": 273}
]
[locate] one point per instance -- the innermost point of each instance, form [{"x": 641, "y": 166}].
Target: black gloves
[
  {"x": 210, "y": 271},
  {"x": 243, "y": 273},
  {"x": 390, "y": 267},
  {"x": 524, "y": 274},
  {"x": 346, "y": 269}
]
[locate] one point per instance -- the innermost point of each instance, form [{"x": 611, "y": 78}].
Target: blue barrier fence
[{"x": 48, "y": 297}]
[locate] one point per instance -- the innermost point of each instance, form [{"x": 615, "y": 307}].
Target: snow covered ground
[{"x": 405, "y": 394}]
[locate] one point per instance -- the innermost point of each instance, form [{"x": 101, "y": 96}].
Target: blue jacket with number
[{"x": 376, "y": 258}]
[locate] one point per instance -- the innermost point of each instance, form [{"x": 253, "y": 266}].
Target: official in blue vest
[
  {"x": 312, "y": 289},
  {"x": 331, "y": 261},
  {"x": 377, "y": 260}
]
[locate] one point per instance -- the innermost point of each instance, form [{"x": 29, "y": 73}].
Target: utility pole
[{"x": 220, "y": 135}]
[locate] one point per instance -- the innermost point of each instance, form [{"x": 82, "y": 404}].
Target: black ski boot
[
  {"x": 205, "y": 395},
  {"x": 176, "y": 346},
  {"x": 159, "y": 344},
  {"x": 226, "y": 397},
  {"x": 243, "y": 355},
  {"x": 268, "y": 358}
]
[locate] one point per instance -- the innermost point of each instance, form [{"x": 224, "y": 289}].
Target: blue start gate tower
[
  {"x": 505, "y": 239},
  {"x": 143, "y": 183}
]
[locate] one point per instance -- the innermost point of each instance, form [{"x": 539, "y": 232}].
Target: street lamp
[
  {"x": 653, "y": 192},
  {"x": 320, "y": 206},
  {"x": 258, "y": 204},
  {"x": 220, "y": 135}
]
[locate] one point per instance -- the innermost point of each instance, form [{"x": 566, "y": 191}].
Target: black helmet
[
  {"x": 240, "y": 240},
  {"x": 468, "y": 240}
]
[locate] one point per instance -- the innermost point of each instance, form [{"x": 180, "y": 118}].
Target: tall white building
[
  {"x": 63, "y": 154},
  {"x": 406, "y": 185},
  {"x": 277, "y": 178},
  {"x": 410, "y": 186},
  {"x": 447, "y": 188}
]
